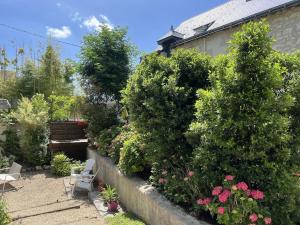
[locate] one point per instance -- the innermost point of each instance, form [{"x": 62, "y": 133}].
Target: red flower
[
  {"x": 229, "y": 177},
  {"x": 268, "y": 220},
  {"x": 242, "y": 186},
  {"x": 191, "y": 173},
  {"x": 204, "y": 201},
  {"x": 224, "y": 196},
  {"x": 256, "y": 194},
  {"x": 217, "y": 190},
  {"x": 253, "y": 217},
  {"x": 221, "y": 210}
]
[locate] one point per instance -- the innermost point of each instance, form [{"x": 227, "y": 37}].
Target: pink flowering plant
[{"x": 236, "y": 204}]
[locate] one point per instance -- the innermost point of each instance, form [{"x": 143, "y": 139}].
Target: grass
[{"x": 124, "y": 219}]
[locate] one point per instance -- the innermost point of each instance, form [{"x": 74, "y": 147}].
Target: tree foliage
[
  {"x": 242, "y": 126},
  {"x": 105, "y": 63},
  {"x": 160, "y": 98}
]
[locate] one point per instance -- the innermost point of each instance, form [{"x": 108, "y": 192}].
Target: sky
[{"x": 69, "y": 20}]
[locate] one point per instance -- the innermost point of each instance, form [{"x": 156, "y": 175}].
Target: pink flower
[
  {"x": 242, "y": 186},
  {"x": 204, "y": 201},
  {"x": 221, "y": 210},
  {"x": 297, "y": 174},
  {"x": 217, "y": 190},
  {"x": 224, "y": 196},
  {"x": 268, "y": 220},
  {"x": 253, "y": 217},
  {"x": 256, "y": 194},
  {"x": 162, "y": 181},
  {"x": 229, "y": 177},
  {"x": 191, "y": 173}
]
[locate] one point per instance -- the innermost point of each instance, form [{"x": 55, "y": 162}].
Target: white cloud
[
  {"x": 93, "y": 23},
  {"x": 63, "y": 32},
  {"x": 58, "y": 4}
]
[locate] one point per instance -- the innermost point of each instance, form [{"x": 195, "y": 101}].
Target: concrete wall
[
  {"x": 140, "y": 198},
  {"x": 285, "y": 28}
]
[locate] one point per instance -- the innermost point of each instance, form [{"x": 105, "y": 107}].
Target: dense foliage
[
  {"x": 160, "y": 98},
  {"x": 46, "y": 75},
  {"x": 105, "y": 63},
  {"x": 242, "y": 126},
  {"x": 32, "y": 117},
  {"x": 64, "y": 107},
  {"x": 61, "y": 165},
  {"x": 4, "y": 218}
]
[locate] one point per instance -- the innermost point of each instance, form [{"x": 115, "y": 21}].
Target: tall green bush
[
  {"x": 32, "y": 117},
  {"x": 160, "y": 98},
  {"x": 242, "y": 127}
]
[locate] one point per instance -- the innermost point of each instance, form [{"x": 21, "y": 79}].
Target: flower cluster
[{"x": 233, "y": 203}]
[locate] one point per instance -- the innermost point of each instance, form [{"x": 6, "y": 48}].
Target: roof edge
[{"x": 238, "y": 22}]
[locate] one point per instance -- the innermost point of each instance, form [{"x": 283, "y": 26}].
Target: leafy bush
[
  {"x": 160, "y": 98},
  {"x": 63, "y": 107},
  {"x": 11, "y": 144},
  {"x": 61, "y": 165},
  {"x": 132, "y": 156},
  {"x": 4, "y": 218},
  {"x": 105, "y": 138},
  {"x": 32, "y": 117},
  {"x": 235, "y": 204},
  {"x": 118, "y": 142},
  {"x": 99, "y": 117},
  {"x": 242, "y": 125}
]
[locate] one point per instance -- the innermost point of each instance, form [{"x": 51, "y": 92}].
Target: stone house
[{"x": 210, "y": 31}]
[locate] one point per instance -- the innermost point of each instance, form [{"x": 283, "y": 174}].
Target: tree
[
  {"x": 160, "y": 98},
  {"x": 242, "y": 126},
  {"x": 105, "y": 64}
]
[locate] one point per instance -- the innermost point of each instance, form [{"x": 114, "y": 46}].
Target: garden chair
[
  {"x": 88, "y": 168},
  {"x": 14, "y": 173},
  {"x": 84, "y": 182}
]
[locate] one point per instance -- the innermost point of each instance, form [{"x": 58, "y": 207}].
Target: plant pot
[{"x": 112, "y": 206}]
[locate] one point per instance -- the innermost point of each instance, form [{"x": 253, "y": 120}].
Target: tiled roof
[
  {"x": 229, "y": 13},
  {"x": 4, "y": 104}
]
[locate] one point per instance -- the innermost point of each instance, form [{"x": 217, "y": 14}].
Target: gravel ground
[{"x": 42, "y": 192}]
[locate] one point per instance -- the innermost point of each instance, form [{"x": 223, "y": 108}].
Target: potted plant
[{"x": 110, "y": 197}]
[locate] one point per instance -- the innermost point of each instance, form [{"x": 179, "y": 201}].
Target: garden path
[{"x": 42, "y": 192}]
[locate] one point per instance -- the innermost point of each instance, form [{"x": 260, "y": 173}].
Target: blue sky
[{"x": 70, "y": 20}]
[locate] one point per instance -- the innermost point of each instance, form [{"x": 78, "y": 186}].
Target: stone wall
[
  {"x": 140, "y": 198},
  {"x": 285, "y": 29}
]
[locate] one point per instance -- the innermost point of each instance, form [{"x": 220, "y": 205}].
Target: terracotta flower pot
[{"x": 112, "y": 206}]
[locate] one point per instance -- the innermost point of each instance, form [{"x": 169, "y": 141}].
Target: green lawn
[{"x": 124, "y": 219}]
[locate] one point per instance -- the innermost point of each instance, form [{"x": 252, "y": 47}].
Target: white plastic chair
[
  {"x": 88, "y": 168},
  {"x": 85, "y": 182},
  {"x": 13, "y": 174}
]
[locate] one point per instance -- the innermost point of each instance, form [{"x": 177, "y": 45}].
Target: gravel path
[{"x": 40, "y": 193}]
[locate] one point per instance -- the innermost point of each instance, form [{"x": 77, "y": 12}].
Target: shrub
[
  {"x": 160, "y": 98},
  {"x": 99, "y": 117},
  {"x": 4, "y": 218},
  {"x": 105, "y": 138},
  {"x": 32, "y": 117},
  {"x": 63, "y": 107},
  {"x": 11, "y": 144},
  {"x": 124, "y": 219},
  {"x": 61, "y": 165},
  {"x": 118, "y": 142},
  {"x": 242, "y": 125},
  {"x": 235, "y": 204},
  {"x": 132, "y": 158}
]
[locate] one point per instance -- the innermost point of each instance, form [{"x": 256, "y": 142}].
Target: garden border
[{"x": 141, "y": 198}]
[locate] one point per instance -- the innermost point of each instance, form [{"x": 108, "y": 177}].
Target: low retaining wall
[{"x": 140, "y": 198}]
